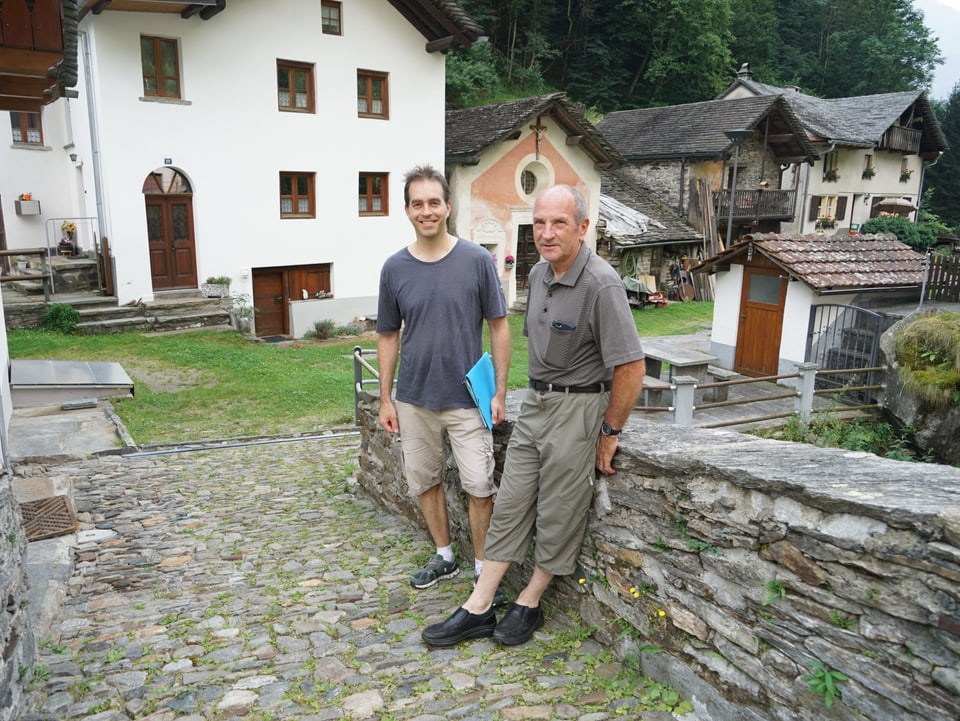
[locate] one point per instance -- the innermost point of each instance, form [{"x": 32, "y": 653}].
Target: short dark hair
[{"x": 424, "y": 172}]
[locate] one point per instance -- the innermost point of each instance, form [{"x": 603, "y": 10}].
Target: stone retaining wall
[
  {"x": 16, "y": 635},
  {"x": 751, "y": 559}
]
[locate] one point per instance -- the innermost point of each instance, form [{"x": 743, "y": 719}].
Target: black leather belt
[{"x": 594, "y": 388}]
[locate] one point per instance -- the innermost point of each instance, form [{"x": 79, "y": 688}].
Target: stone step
[
  {"x": 188, "y": 320},
  {"x": 115, "y": 325}
]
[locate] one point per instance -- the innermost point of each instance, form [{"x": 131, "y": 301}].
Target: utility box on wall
[{"x": 27, "y": 207}]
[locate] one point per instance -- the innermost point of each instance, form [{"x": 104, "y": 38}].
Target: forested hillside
[
  {"x": 616, "y": 54},
  {"x": 619, "y": 54}
]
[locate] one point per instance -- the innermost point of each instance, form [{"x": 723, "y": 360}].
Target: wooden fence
[{"x": 942, "y": 280}]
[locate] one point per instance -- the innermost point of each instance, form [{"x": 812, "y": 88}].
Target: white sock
[
  {"x": 477, "y": 566},
  {"x": 446, "y": 552}
]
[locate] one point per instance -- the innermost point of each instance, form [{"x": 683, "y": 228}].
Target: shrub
[
  {"x": 324, "y": 329},
  {"x": 916, "y": 236},
  {"x": 61, "y": 318}
]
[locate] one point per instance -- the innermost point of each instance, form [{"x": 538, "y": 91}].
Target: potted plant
[
  {"x": 905, "y": 175},
  {"x": 831, "y": 175},
  {"x": 868, "y": 172},
  {"x": 66, "y": 245},
  {"x": 216, "y": 286},
  {"x": 509, "y": 262},
  {"x": 242, "y": 314}
]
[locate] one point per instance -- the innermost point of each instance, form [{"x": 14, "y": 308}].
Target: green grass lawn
[{"x": 211, "y": 384}]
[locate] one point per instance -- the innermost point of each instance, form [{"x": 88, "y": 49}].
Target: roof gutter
[{"x": 871, "y": 289}]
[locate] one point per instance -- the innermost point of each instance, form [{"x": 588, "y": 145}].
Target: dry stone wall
[
  {"x": 16, "y": 635},
  {"x": 731, "y": 565}
]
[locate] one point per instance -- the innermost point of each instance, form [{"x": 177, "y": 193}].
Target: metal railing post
[
  {"x": 357, "y": 383},
  {"x": 803, "y": 404},
  {"x": 684, "y": 389}
]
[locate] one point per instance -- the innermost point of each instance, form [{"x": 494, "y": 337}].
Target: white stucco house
[
  {"x": 262, "y": 141},
  {"x": 872, "y": 152}
]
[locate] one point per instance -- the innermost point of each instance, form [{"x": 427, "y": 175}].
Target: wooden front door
[
  {"x": 527, "y": 254},
  {"x": 762, "y": 301},
  {"x": 169, "y": 207},
  {"x": 270, "y": 300}
]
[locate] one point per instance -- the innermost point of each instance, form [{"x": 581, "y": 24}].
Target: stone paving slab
[{"x": 260, "y": 582}]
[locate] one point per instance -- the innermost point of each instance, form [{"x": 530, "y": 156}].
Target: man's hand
[
  {"x": 498, "y": 410},
  {"x": 388, "y": 416},
  {"x": 606, "y": 448}
]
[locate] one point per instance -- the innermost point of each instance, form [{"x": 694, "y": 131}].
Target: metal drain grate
[{"x": 48, "y": 518}]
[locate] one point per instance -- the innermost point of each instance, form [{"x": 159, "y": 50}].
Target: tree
[
  {"x": 613, "y": 54},
  {"x": 943, "y": 179}
]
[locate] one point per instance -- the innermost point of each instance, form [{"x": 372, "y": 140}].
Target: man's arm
[
  {"x": 500, "y": 347},
  {"x": 388, "y": 350},
  {"x": 626, "y": 388}
]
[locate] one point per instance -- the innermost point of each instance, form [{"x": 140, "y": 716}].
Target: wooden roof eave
[{"x": 440, "y": 30}]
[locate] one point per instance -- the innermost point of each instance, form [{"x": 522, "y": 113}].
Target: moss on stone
[{"x": 928, "y": 353}]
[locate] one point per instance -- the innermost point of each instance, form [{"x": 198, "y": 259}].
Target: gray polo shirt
[{"x": 579, "y": 327}]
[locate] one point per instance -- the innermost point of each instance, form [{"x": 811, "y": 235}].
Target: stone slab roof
[
  {"x": 831, "y": 264},
  {"x": 858, "y": 121},
  {"x": 662, "y": 225},
  {"x": 696, "y": 130},
  {"x": 473, "y": 131}
]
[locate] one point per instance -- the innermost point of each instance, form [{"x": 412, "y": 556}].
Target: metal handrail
[{"x": 359, "y": 366}]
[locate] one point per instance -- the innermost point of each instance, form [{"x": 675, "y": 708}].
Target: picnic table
[{"x": 682, "y": 361}]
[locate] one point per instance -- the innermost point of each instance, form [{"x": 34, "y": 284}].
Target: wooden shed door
[
  {"x": 761, "y": 322},
  {"x": 270, "y": 300}
]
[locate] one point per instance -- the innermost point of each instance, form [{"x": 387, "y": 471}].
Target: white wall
[
  {"x": 851, "y": 162},
  {"x": 46, "y": 172},
  {"x": 726, "y": 315},
  {"x": 229, "y": 139}
]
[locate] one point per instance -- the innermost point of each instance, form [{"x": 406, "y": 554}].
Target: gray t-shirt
[
  {"x": 441, "y": 307},
  {"x": 581, "y": 326}
]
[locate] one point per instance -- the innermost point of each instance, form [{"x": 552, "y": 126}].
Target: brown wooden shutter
[
  {"x": 814, "y": 207},
  {"x": 841, "y": 207}
]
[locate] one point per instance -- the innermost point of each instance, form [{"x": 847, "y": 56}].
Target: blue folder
[{"x": 481, "y": 384}]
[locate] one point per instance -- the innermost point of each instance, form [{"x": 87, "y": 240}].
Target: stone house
[
  {"x": 872, "y": 152},
  {"x": 275, "y": 161},
  {"x": 682, "y": 151},
  {"x": 643, "y": 238}
]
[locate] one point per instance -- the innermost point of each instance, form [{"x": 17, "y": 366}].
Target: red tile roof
[{"x": 833, "y": 263}]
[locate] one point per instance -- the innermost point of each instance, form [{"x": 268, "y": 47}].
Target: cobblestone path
[{"x": 260, "y": 582}]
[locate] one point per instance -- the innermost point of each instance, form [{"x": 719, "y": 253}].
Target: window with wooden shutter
[{"x": 841, "y": 207}]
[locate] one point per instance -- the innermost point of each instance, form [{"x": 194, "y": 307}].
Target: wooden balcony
[
  {"x": 902, "y": 140},
  {"x": 33, "y": 71},
  {"x": 755, "y": 204}
]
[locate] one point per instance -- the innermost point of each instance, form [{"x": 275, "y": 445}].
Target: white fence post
[
  {"x": 684, "y": 388},
  {"x": 803, "y": 404}
]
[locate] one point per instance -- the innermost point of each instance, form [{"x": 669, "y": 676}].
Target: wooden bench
[{"x": 721, "y": 375}]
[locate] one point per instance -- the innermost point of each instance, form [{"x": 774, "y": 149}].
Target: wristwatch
[{"x": 608, "y": 430}]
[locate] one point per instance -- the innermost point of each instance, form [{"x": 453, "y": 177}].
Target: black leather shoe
[
  {"x": 459, "y": 627},
  {"x": 518, "y": 625}
]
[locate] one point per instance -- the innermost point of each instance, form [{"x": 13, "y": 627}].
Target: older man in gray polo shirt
[{"x": 586, "y": 369}]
